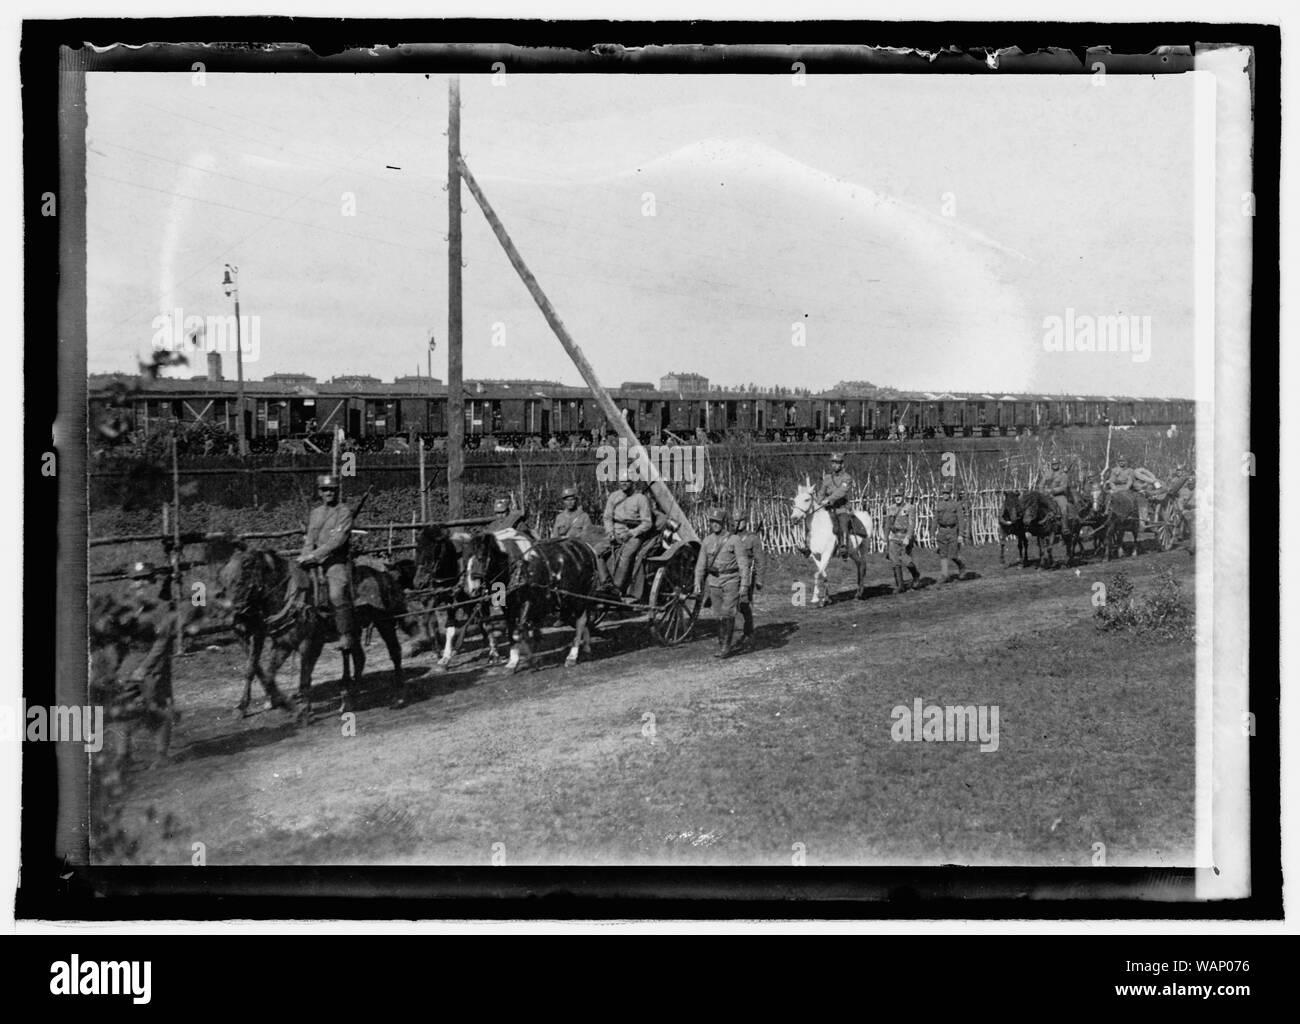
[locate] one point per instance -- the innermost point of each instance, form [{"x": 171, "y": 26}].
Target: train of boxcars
[{"x": 513, "y": 412}]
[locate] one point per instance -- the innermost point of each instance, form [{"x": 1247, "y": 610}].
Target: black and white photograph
[{"x": 743, "y": 456}]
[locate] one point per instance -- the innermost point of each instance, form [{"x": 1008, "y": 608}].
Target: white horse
[{"x": 820, "y": 526}]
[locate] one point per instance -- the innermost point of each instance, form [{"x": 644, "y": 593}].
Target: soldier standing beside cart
[
  {"x": 725, "y": 564},
  {"x": 753, "y": 546}
]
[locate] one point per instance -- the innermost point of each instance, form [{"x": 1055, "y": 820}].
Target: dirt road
[{"x": 788, "y": 752}]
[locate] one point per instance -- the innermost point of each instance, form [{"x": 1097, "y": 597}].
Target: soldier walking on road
[
  {"x": 949, "y": 527},
  {"x": 753, "y": 545},
  {"x": 148, "y": 696},
  {"x": 900, "y": 528},
  {"x": 724, "y": 562}
]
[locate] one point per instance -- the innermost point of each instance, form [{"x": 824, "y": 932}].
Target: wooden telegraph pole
[
  {"x": 455, "y": 394},
  {"x": 612, "y": 413}
]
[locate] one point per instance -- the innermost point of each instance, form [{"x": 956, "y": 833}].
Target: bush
[{"x": 1164, "y": 612}]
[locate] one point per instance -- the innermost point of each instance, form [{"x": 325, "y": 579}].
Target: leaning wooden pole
[
  {"x": 635, "y": 451},
  {"x": 455, "y": 392}
]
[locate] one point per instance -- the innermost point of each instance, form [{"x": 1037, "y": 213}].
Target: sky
[{"x": 913, "y": 231}]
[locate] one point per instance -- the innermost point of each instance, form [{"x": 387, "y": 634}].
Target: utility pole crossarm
[{"x": 635, "y": 451}]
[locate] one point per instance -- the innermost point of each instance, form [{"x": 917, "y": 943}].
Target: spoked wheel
[
  {"x": 673, "y": 609},
  {"x": 1169, "y": 531}
]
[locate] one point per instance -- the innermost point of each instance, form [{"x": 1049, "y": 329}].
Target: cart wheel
[{"x": 673, "y": 610}]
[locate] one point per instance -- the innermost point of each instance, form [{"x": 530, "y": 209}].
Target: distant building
[
  {"x": 356, "y": 380},
  {"x": 514, "y": 383},
  {"x": 683, "y": 382},
  {"x": 288, "y": 378},
  {"x": 636, "y": 385},
  {"x": 416, "y": 381}
]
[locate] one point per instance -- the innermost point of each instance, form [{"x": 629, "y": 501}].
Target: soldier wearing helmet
[
  {"x": 900, "y": 529},
  {"x": 148, "y": 697},
  {"x": 949, "y": 527},
  {"x": 723, "y": 563},
  {"x": 1120, "y": 477},
  {"x": 833, "y": 494},
  {"x": 328, "y": 547},
  {"x": 508, "y": 517},
  {"x": 753, "y": 545},
  {"x": 571, "y": 520},
  {"x": 1056, "y": 485},
  {"x": 627, "y": 520}
]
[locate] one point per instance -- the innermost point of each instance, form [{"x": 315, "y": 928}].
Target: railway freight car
[{"x": 523, "y": 412}]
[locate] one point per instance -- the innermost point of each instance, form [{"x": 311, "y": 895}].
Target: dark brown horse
[
  {"x": 437, "y": 596},
  {"x": 1043, "y": 520},
  {"x": 252, "y": 590},
  {"x": 1121, "y": 517},
  {"x": 552, "y": 580},
  {"x": 1011, "y": 523}
]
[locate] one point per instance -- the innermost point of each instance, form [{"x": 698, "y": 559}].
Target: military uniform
[
  {"x": 571, "y": 524},
  {"x": 725, "y": 564},
  {"x": 627, "y": 521},
  {"x": 328, "y": 544},
  {"x": 949, "y": 527},
  {"x": 1119, "y": 479},
  {"x": 1056, "y": 485},
  {"x": 753, "y": 548},
  {"x": 833, "y": 494},
  {"x": 900, "y": 531},
  {"x": 148, "y": 698}
]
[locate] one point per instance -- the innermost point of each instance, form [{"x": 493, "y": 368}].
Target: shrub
[{"x": 1163, "y": 612}]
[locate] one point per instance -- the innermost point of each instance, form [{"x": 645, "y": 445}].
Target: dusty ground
[{"x": 653, "y": 755}]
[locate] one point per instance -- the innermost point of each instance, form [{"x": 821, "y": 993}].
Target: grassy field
[{"x": 653, "y": 755}]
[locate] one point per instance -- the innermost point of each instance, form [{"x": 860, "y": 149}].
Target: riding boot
[
  {"x": 898, "y": 579},
  {"x": 916, "y": 576},
  {"x": 602, "y": 573},
  {"x": 961, "y": 567},
  {"x": 343, "y": 622},
  {"x": 943, "y": 570},
  {"x": 726, "y": 629}
]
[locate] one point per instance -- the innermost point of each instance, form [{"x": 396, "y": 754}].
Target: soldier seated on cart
[{"x": 627, "y": 521}]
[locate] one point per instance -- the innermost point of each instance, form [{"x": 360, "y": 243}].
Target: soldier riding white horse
[{"x": 820, "y": 539}]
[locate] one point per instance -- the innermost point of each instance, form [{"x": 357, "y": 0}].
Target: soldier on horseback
[
  {"x": 1056, "y": 485},
  {"x": 833, "y": 494},
  {"x": 327, "y": 548},
  {"x": 573, "y": 523},
  {"x": 507, "y": 517}
]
